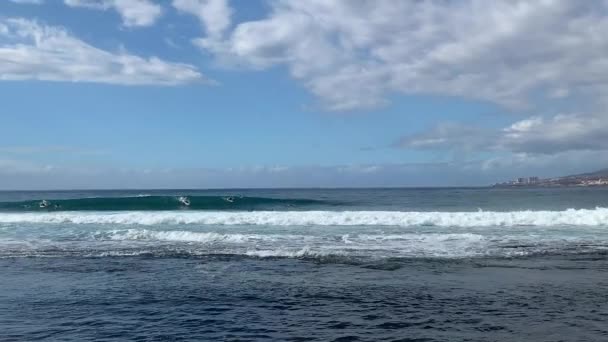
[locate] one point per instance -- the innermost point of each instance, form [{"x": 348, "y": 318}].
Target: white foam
[
  {"x": 579, "y": 217},
  {"x": 353, "y": 241},
  {"x": 178, "y": 236},
  {"x": 136, "y": 241},
  {"x": 281, "y": 252}
]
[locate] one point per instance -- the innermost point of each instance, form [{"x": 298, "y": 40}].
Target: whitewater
[
  {"x": 350, "y": 236},
  {"x": 580, "y": 217}
]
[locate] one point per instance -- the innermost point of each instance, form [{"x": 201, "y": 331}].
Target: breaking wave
[
  {"x": 144, "y": 202},
  {"x": 571, "y": 217}
]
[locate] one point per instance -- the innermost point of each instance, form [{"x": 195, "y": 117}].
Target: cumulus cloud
[
  {"x": 33, "y": 51},
  {"x": 354, "y": 54},
  {"x": 132, "y": 12}
]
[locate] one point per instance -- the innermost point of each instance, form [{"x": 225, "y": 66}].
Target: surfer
[
  {"x": 184, "y": 200},
  {"x": 44, "y": 204},
  {"x": 229, "y": 199}
]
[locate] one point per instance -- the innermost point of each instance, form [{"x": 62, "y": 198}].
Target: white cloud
[
  {"x": 215, "y": 15},
  {"x": 28, "y": 2},
  {"x": 354, "y": 54},
  {"x": 132, "y": 12},
  {"x": 32, "y": 51},
  {"x": 564, "y": 132}
]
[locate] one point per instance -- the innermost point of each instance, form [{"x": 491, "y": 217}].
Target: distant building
[{"x": 526, "y": 181}]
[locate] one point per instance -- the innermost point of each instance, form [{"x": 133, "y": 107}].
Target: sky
[{"x": 284, "y": 93}]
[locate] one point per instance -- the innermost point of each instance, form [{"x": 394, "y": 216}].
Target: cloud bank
[
  {"x": 534, "y": 135},
  {"x": 356, "y": 54}
]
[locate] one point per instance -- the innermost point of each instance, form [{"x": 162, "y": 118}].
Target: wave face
[
  {"x": 573, "y": 217},
  {"x": 151, "y": 203}
]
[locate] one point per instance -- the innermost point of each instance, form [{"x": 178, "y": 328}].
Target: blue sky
[{"x": 214, "y": 93}]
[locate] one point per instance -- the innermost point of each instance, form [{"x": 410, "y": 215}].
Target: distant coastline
[{"x": 592, "y": 179}]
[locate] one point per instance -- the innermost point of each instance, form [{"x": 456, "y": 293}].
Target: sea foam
[{"x": 577, "y": 217}]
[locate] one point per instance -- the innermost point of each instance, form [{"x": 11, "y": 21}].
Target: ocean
[{"x": 433, "y": 264}]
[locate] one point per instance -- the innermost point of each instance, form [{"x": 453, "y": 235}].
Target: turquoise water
[{"x": 320, "y": 264}]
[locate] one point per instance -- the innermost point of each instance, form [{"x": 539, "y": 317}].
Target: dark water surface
[
  {"x": 228, "y": 299},
  {"x": 305, "y": 265}
]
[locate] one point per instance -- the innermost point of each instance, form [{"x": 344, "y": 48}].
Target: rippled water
[
  {"x": 244, "y": 299},
  {"x": 305, "y": 265}
]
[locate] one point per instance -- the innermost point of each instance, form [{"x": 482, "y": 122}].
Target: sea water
[{"x": 455, "y": 264}]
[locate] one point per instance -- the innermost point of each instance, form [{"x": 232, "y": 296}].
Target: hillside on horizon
[
  {"x": 594, "y": 178},
  {"x": 602, "y": 173}
]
